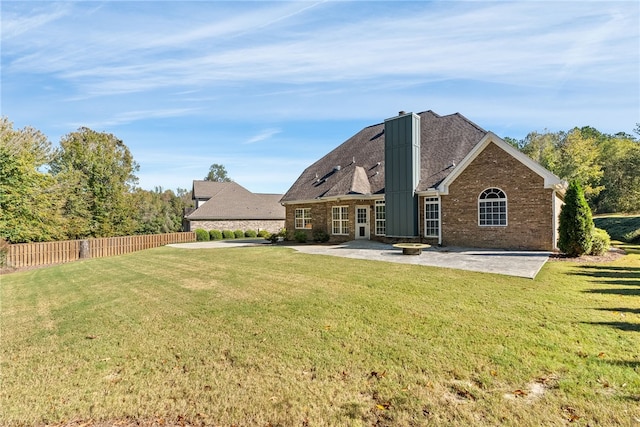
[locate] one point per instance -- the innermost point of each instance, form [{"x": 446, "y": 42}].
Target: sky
[{"x": 266, "y": 88}]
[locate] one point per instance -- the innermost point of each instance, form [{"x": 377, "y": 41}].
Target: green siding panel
[{"x": 402, "y": 174}]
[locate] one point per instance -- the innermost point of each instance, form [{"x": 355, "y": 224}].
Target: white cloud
[{"x": 263, "y": 135}]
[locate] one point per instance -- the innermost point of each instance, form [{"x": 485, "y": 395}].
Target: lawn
[
  {"x": 267, "y": 336},
  {"x": 625, "y": 228}
]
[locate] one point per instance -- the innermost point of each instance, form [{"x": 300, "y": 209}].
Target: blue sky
[{"x": 266, "y": 88}]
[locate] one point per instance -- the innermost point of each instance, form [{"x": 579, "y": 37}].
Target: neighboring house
[
  {"x": 230, "y": 206},
  {"x": 424, "y": 177}
]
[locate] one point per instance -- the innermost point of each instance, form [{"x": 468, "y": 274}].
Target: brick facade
[
  {"x": 321, "y": 218},
  {"x": 530, "y": 208},
  {"x": 529, "y": 205},
  {"x": 272, "y": 226}
]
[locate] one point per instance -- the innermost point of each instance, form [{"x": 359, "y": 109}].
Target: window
[
  {"x": 492, "y": 208},
  {"x": 381, "y": 222},
  {"x": 303, "y": 218},
  {"x": 431, "y": 217},
  {"x": 340, "y": 219}
]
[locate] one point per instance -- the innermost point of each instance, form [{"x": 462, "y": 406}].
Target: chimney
[{"x": 402, "y": 174}]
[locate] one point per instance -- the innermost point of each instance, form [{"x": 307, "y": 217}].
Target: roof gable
[
  {"x": 550, "y": 180},
  {"x": 203, "y": 190},
  {"x": 232, "y": 201}
]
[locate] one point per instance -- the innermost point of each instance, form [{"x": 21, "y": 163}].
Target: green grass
[
  {"x": 263, "y": 336},
  {"x": 625, "y": 228}
]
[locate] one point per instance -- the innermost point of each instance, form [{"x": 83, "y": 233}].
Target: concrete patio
[{"x": 511, "y": 263}]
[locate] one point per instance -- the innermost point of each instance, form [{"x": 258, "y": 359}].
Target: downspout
[
  {"x": 554, "y": 240},
  {"x": 439, "y": 220}
]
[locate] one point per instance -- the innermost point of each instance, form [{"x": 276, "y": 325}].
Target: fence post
[{"x": 84, "y": 249}]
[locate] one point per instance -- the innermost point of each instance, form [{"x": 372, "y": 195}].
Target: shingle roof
[
  {"x": 357, "y": 165},
  {"x": 230, "y": 200}
]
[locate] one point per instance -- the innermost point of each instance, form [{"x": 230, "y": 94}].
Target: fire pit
[{"x": 411, "y": 248}]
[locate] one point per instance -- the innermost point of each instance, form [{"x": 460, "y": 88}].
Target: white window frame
[
  {"x": 381, "y": 218},
  {"x": 493, "y": 203},
  {"x": 340, "y": 220},
  {"x": 432, "y": 224},
  {"x": 303, "y": 219}
]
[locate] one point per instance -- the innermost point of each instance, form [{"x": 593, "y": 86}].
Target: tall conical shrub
[{"x": 576, "y": 223}]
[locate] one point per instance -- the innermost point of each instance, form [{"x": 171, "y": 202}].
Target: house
[
  {"x": 423, "y": 177},
  {"x": 230, "y": 206}
]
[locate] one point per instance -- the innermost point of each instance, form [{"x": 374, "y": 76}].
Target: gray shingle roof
[
  {"x": 231, "y": 201},
  {"x": 357, "y": 165}
]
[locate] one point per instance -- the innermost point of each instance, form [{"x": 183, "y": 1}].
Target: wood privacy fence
[{"x": 45, "y": 253}]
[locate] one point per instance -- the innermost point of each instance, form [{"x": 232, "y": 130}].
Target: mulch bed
[{"x": 612, "y": 255}]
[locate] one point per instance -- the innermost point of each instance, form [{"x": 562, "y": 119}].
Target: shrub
[
  {"x": 228, "y": 234},
  {"x": 280, "y": 235},
  {"x": 215, "y": 234},
  {"x": 600, "y": 243},
  {"x": 250, "y": 233},
  {"x": 625, "y": 228},
  {"x": 202, "y": 235},
  {"x": 300, "y": 236},
  {"x": 264, "y": 233},
  {"x": 320, "y": 236},
  {"x": 239, "y": 234},
  {"x": 576, "y": 223}
]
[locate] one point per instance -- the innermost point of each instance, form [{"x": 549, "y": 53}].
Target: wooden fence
[{"x": 46, "y": 253}]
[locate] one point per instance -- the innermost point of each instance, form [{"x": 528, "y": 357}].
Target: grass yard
[
  {"x": 266, "y": 336},
  {"x": 625, "y": 228}
]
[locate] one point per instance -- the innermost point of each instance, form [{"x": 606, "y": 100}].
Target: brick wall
[
  {"x": 272, "y": 226},
  {"x": 321, "y": 218},
  {"x": 529, "y": 205}
]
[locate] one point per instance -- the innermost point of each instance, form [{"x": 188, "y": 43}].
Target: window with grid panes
[
  {"x": 492, "y": 208},
  {"x": 303, "y": 217},
  {"x": 431, "y": 217},
  {"x": 340, "y": 219},
  {"x": 381, "y": 221}
]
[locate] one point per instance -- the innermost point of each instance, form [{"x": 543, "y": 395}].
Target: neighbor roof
[
  {"x": 357, "y": 165},
  {"x": 231, "y": 201}
]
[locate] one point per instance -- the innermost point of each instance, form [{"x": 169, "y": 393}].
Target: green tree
[
  {"x": 620, "y": 160},
  {"x": 217, "y": 173},
  {"x": 579, "y": 161},
  {"x": 98, "y": 170},
  {"x": 158, "y": 211},
  {"x": 29, "y": 207},
  {"x": 544, "y": 149},
  {"x": 576, "y": 223}
]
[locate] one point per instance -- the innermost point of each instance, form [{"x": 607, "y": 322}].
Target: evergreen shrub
[
  {"x": 215, "y": 234},
  {"x": 300, "y": 236},
  {"x": 320, "y": 236},
  {"x": 202, "y": 235},
  {"x": 228, "y": 234},
  {"x": 239, "y": 234},
  {"x": 600, "y": 243},
  {"x": 576, "y": 223},
  {"x": 250, "y": 233}
]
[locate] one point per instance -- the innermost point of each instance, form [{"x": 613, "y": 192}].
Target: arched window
[{"x": 492, "y": 208}]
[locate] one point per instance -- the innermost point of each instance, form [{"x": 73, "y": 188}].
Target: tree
[
  {"x": 576, "y": 223},
  {"x": 98, "y": 171},
  {"x": 544, "y": 149},
  {"x": 158, "y": 211},
  {"x": 217, "y": 173},
  {"x": 579, "y": 161},
  {"x": 29, "y": 207},
  {"x": 620, "y": 160}
]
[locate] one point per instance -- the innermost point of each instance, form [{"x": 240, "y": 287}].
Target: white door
[{"x": 362, "y": 222}]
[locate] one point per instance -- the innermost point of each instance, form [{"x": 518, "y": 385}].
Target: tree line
[
  {"x": 87, "y": 187},
  {"x": 606, "y": 166}
]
